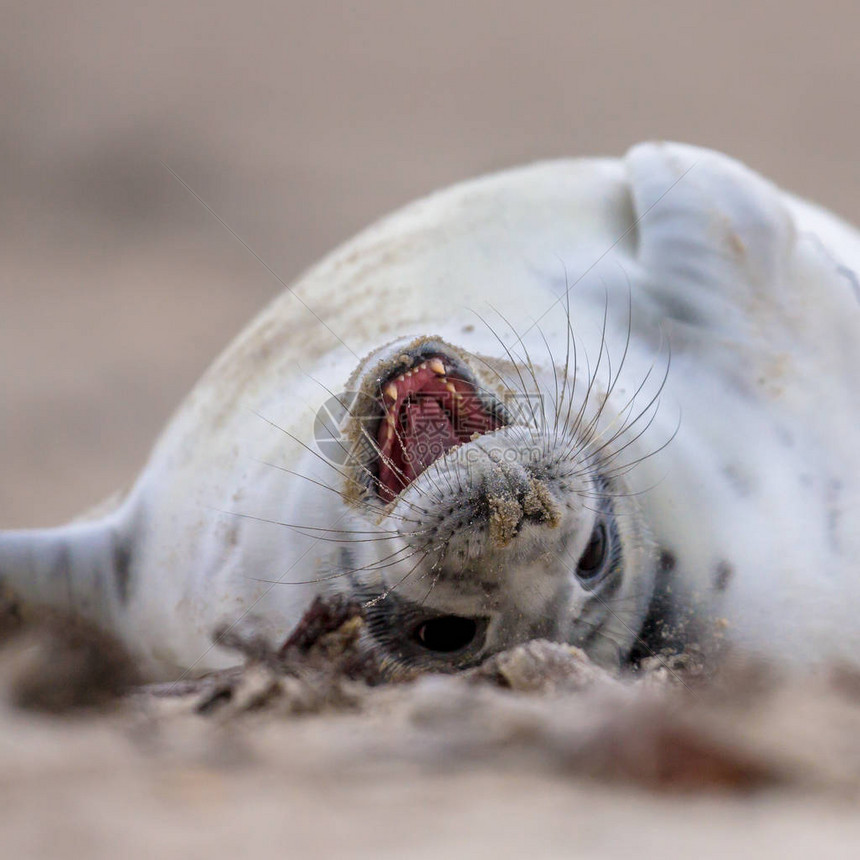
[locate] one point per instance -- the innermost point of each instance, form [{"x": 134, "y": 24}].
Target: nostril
[
  {"x": 506, "y": 516},
  {"x": 509, "y": 506},
  {"x": 540, "y": 506}
]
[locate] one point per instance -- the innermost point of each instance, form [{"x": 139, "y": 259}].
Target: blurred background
[{"x": 300, "y": 122}]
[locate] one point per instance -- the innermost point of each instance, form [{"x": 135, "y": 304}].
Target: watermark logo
[
  {"x": 333, "y": 417},
  {"x": 525, "y": 409}
]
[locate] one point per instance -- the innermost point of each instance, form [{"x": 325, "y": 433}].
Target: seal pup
[{"x": 603, "y": 401}]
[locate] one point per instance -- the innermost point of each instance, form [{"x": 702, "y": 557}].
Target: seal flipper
[
  {"x": 714, "y": 237},
  {"x": 746, "y": 279},
  {"x": 83, "y": 568}
]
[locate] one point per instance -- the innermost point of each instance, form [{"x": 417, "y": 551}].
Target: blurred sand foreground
[
  {"x": 298, "y": 123},
  {"x": 294, "y": 759}
]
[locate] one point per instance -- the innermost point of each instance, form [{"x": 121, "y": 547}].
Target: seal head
[{"x": 490, "y": 520}]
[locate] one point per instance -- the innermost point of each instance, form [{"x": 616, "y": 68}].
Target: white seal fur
[{"x": 691, "y": 337}]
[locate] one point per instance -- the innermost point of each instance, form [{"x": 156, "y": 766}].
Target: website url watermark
[{"x": 422, "y": 428}]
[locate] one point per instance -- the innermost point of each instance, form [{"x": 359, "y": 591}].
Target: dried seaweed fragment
[{"x": 321, "y": 665}]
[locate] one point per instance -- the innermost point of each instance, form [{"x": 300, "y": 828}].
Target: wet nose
[{"x": 512, "y": 494}]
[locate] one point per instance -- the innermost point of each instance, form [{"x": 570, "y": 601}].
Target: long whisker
[
  {"x": 399, "y": 582},
  {"x": 379, "y": 534},
  {"x": 369, "y": 508}
]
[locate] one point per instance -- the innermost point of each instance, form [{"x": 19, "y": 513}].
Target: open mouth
[{"x": 427, "y": 411}]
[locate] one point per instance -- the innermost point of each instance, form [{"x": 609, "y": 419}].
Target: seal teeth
[
  {"x": 390, "y": 391},
  {"x": 450, "y": 386},
  {"x": 436, "y": 365}
]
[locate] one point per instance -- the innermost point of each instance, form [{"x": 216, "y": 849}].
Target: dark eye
[
  {"x": 591, "y": 562},
  {"x": 445, "y": 634}
]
